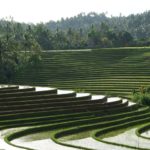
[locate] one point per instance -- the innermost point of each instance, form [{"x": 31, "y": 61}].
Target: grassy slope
[{"x": 105, "y": 71}]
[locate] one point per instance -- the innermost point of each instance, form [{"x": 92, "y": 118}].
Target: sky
[{"x": 36, "y": 11}]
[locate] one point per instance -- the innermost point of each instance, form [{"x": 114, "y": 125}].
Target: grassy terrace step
[
  {"x": 127, "y": 70},
  {"x": 79, "y": 77},
  {"x": 57, "y": 118},
  {"x": 98, "y": 124},
  {"x": 60, "y": 99},
  {"x": 104, "y": 87},
  {"x": 61, "y": 113},
  {"x": 108, "y": 83},
  {"x": 45, "y": 96},
  {"x": 97, "y": 119},
  {"x": 86, "y": 107},
  {"x": 99, "y": 134},
  {"x": 142, "y": 130},
  {"x": 16, "y": 91},
  {"x": 72, "y": 127},
  {"x": 7, "y": 88},
  {"x": 104, "y": 127},
  {"x": 56, "y": 102},
  {"x": 103, "y": 107},
  {"x": 101, "y": 76},
  {"x": 26, "y": 93},
  {"x": 48, "y": 120},
  {"x": 51, "y": 105},
  {"x": 97, "y": 84},
  {"x": 51, "y": 118}
]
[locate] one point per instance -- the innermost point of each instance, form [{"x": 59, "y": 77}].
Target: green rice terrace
[
  {"x": 104, "y": 71},
  {"x": 79, "y": 99}
]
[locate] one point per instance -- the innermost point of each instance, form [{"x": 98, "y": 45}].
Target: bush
[{"x": 143, "y": 96}]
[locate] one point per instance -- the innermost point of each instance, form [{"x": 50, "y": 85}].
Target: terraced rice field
[
  {"x": 103, "y": 71},
  {"x": 44, "y": 118}
]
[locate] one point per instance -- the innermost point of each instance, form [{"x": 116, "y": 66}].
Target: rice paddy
[{"x": 78, "y": 100}]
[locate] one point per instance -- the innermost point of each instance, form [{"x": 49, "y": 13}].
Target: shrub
[{"x": 143, "y": 96}]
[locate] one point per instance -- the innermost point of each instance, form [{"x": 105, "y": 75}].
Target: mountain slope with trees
[
  {"x": 85, "y": 31},
  {"x": 137, "y": 25},
  {"x": 20, "y": 43},
  {"x": 18, "y": 48}
]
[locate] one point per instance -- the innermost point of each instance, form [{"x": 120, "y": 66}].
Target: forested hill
[
  {"x": 82, "y": 31},
  {"x": 138, "y": 25},
  {"x": 80, "y": 21}
]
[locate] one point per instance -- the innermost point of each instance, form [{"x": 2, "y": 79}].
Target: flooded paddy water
[
  {"x": 146, "y": 134},
  {"x": 3, "y": 133},
  {"x": 93, "y": 144},
  {"x": 129, "y": 137},
  {"x": 39, "y": 141},
  {"x": 42, "y": 141}
]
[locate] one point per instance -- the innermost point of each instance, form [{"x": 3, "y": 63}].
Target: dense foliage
[
  {"x": 86, "y": 31},
  {"x": 15, "y": 44},
  {"x": 142, "y": 96},
  {"x": 82, "y": 31},
  {"x": 136, "y": 25}
]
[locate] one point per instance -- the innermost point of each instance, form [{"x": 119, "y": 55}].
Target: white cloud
[{"x": 45, "y": 10}]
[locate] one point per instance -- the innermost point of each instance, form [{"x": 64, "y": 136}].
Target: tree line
[
  {"x": 46, "y": 39},
  {"x": 83, "y": 31},
  {"x": 138, "y": 26},
  {"x": 18, "y": 48},
  {"x": 21, "y": 44}
]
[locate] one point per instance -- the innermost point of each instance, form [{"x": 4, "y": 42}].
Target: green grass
[{"x": 117, "y": 71}]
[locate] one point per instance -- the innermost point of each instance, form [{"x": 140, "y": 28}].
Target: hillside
[
  {"x": 103, "y": 71},
  {"x": 80, "y": 32},
  {"x": 34, "y": 117},
  {"x": 137, "y": 25}
]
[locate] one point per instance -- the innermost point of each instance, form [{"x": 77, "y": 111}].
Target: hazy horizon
[{"x": 33, "y": 11}]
